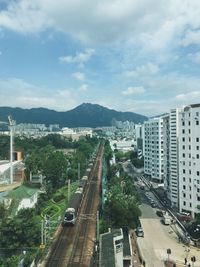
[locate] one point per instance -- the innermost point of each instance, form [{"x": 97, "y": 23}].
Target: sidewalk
[{"x": 135, "y": 256}]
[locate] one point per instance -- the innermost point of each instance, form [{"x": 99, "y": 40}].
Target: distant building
[
  {"x": 153, "y": 148},
  {"x": 115, "y": 249},
  {"x": 75, "y": 134},
  {"x": 122, "y": 145},
  {"x": 18, "y": 172}
]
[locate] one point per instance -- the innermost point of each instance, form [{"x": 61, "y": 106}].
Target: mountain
[{"x": 85, "y": 115}]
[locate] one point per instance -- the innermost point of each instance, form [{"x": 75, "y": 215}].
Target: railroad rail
[{"x": 74, "y": 244}]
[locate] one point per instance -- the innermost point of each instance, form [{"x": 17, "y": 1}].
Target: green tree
[{"x": 55, "y": 169}]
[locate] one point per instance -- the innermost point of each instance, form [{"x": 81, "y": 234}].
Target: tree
[
  {"x": 121, "y": 208},
  {"x": 20, "y": 233},
  {"x": 55, "y": 169}
]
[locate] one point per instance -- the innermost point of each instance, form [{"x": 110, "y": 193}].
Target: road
[{"x": 159, "y": 237}]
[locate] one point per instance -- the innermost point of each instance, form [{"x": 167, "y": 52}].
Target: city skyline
[{"x": 140, "y": 56}]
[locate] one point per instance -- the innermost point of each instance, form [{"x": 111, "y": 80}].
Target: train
[{"x": 71, "y": 213}]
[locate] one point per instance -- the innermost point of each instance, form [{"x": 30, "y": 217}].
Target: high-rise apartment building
[
  {"x": 189, "y": 159},
  {"x": 172, "y": 155},
  {"x": 173, "y": 158},
  {"x": 153, "y": 149}
]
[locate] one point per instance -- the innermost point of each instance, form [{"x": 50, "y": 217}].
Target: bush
[{"x": 58, "y": 198}]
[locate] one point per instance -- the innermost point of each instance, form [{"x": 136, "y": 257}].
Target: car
[
  {"x": 153, "y": 204},
  {"x": 159, "y": 213},
  {"x": 139, "y": 232}
]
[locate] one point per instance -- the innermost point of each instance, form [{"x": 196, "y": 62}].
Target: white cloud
[
  {"x": 83, "y": 88},
  {"x": 154, "y": 24},
  {"x": 189, "y": 98},
  {"x": 191, "y": 37},
  {"x": 133, "y": 90},
  {"x": 80, "y": 76},
  {"x": 17, "y": 93},
  {"x": 144, "y": 70},
  {"x": 80, "y": 58},
  {"x": 194, "y": 57}
]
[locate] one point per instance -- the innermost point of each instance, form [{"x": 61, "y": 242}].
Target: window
[
  {"x": 184, "y": 203},
  {"x": 189, "y": 123},
  {"x": 183, "y": 139},
  {"x": 197, "y": 173},
  {"x": 183, "y": 131},
  {"x": 197, "y": 139},
  {"x": 183, "y": 147},
  {"x": 183, "y": 123},
  {"x": 183, "y": 170},
  {"x": 184, "y": 187},
  {"x": 197, "y": 122},
  {"x": 183, "y": 155},
  {"x": 197, "y": 147},
  {"x": 197, "y": 114},
  {"x": 197, "y": 156},
  {"x": 189, "y": 131}
]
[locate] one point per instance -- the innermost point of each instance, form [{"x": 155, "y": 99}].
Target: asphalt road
[{"x": 159, "y": 237}]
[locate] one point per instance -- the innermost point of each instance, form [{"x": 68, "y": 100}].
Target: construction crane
[{"x": 11, "y": 125}]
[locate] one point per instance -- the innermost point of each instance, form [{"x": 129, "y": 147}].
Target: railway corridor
[{"x": 74, "y": 245}]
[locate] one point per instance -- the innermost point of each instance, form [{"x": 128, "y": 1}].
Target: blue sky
[{"x": 141, "y": 56}]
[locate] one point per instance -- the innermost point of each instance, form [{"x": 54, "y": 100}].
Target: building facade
[
  {"x": 189, "y": 159},
  {"x": 153, "y": 149}
]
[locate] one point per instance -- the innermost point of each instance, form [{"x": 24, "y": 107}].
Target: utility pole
[
  {"x": 68, "y": 190},
  {"x": 78, "y": 171},
  {"x": 11, "y": 124},
  {"x": 42, "y": 234},
  {"x": 97, "y": 226}
]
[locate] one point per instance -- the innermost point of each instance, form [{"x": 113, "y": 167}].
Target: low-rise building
[
  {"x": 22, "y": 197},
  {"x": 115, "y": 249}
]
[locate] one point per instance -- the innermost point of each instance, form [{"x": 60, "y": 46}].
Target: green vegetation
[
  {"x": 42, "y": 156},
  {"x": 122, "y": 204}
]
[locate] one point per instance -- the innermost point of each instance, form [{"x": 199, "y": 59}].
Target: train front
[{"x": 69, "y": 217}]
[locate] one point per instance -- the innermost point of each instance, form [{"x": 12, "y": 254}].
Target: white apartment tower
[
  {"x": 173, "y": 157},
  {"x": 189, "y": 159},
  {"x": 153, "y": 149}
]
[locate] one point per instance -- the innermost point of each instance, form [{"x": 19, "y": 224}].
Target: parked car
[
  {"x": 159, "y": 213},
  {"x": 153, "y": 204},
  {"x": 183, "y": 216},
  {"x": 139, "y": 232}
]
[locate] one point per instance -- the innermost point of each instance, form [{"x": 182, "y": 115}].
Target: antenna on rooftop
[{"x": 11, "y": 125}]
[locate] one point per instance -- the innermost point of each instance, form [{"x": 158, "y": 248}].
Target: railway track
[{"x": 74, "y": 245}]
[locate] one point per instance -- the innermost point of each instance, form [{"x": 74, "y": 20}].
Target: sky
[{"x": 132, "y": 55}]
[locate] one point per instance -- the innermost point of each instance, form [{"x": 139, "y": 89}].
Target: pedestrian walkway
[{"x": 135, "y": 256}]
